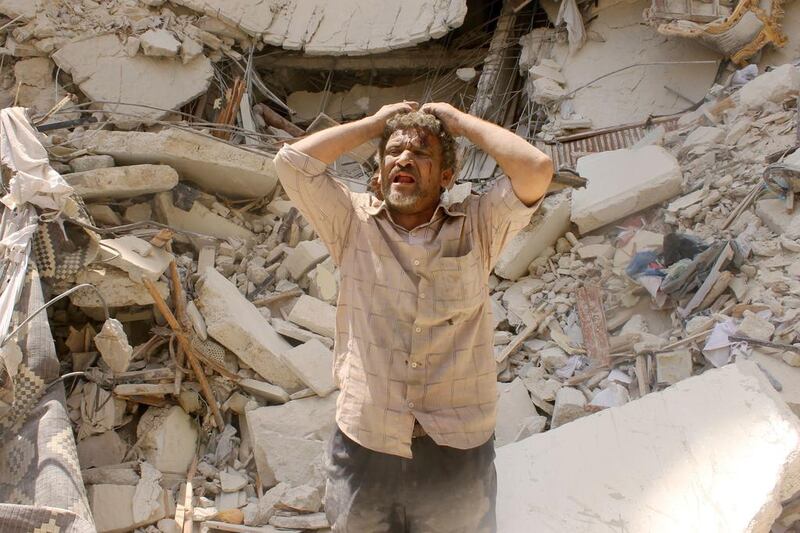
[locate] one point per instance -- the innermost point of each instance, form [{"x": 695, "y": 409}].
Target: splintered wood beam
[{"x": 593, "y": 324}]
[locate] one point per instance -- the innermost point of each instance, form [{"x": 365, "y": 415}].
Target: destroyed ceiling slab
[{"x": 350, "y": 27}]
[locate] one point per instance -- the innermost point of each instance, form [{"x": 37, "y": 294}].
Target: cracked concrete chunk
[
  {"x": 100, "y": 450},
  {"x": 622, "y": 182},
  {"x": 267, "y": 391},
  {"x": 514, "y": 411},
  {"x": 773, "y": 86},
  {"x": 570, "y": 405},
  {"x": 310, "y": 521},
  {"x": 303, "y": 257},
  {"x": 159, "y": 43},
  {"x": 672, "y": 367},
  {"x": 167, "y": 438},
  {"x": 772, "y": 211},
  {"x": 310, "y": 418},
  {"x": 549, "y": 223},
  {"x": 281, "y": 458},
  {"x": 117, "y": 183},
  {"x": 113, "y": 508},
  {"x": 320, "y": 27},
  {"x": 91, "y": 162},
  {"x": 117, "y": 288},
  {"x": 197, "y": 158},
  {"x": 198, "y": 219},
  {"x": 112, "y": 343},
  {"x": 236, "y": 324},
  {"x": 315, "y": 315},
  {"x": 104, "y": 72},
  {"x": 666, "y": 442},
  {"x": 312, "y": 362}
]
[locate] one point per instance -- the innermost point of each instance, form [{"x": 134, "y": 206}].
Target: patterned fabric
[
  {"x": 40, "y": 478},
  {"x": 60, "y": 256},
  {"x": 413, "y": 322}
]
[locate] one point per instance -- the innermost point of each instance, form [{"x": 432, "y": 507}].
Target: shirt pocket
[{"x": 458, "y": 284}]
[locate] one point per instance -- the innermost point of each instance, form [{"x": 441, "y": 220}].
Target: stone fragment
[
  {"x": 312, "y": 362},
  {"x": 541, "y": 71},
  {"x": 113, "y": 345},
  {"x": 199, "y": 219},
  {"x": 168, "y": 525},
  {"x": 117, "y": 183},
  {"x": 774, "y": 86},
  {"x": 309, "y": 418},
  {"x": 159, "y": 43},
  {"x": 197, "y": 158},
  {"x": 304, "y": 499},
  {"x": 666, "y": 440},
  {"x": 612, "y": 396},
  {"x": 787, "y": 376},
  {"x": 102, "y": 214},
  {"x": 85, "y": 163},
  {"x": 311, "y": 521},
  {"x": 593, "y": 251},
  {"x": 315, "y": 315},
  {"x": 112, "y": 508},
  {"x": 549, "y": 223},
  {"x": 34, "y": 84},
  {"x": 100, "y": 450},
  {"x": 104, "y": 71},
  {"x": 137, "y": 257},
  {"x": 704, "y": 135},
  {"x": 287, "y": 329},
  {"x": 622, "y": 182},
  {"x": 772, "y": 212},
  {"x": 267, "y": 391},
  {"x": 117, "y": 288},
  {"x": 138, "y": 212},
  {"x": 303, "y": 257},
  {"x": 672, "y": 367},
  {"x": 324, "y": 284},
  {"x": 232, "y": 481},
  {"x": 282, "y": 458},
  {"x": 148, "y": 497},
  {"x": 236, "y": 323},
  {"x": 570, "y": 405},
  {"x": 755, "y": 327},
  {"x": 167, "y": 438},
  {"x": 546, "y": 91},
  {"x": 514, "y": 411},
  {"x": 553, "y": 358}
]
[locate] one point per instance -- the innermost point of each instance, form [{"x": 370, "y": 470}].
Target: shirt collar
[{"x": 453, "y": 209}]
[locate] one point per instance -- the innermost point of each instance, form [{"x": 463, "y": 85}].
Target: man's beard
[{"x": 402, "y": 202}]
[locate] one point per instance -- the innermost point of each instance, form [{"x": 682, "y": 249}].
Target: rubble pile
[{"x": 195, "y": 337}]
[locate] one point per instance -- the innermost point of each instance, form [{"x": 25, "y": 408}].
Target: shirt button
[
  {"x": 416, "y": 262},
  {"x": 422, "y": 295},
  {"x": 418, "y": 330},
  {"x": 410, "y": 405},
  {"x": 414, "y": 364}
]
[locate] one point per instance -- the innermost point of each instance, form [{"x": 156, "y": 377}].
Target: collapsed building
[{"x": 167, "y": 315}]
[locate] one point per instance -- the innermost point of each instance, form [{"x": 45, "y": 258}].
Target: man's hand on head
[
  {"x": 448, "y": 115},
  {"x": 386, "y": 112}
]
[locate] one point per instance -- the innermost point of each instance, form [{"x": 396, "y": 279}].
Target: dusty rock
[
  {"x": 283, "y": 458},
  {"x": 755, "y": 327},
  {"x": 113, "y": 510},
  {"x": 774, "y": 86},
  {"x": 199, "y": 219},
  {"x": 267, "y": 391},
  {"x": 514, "y": 412},
  {"x": 85, "y": 163},
  {"x": 232, "y": 481},
  {"x": 102, "y": 214},
  {"x": 315, "y": 315},
  {"x": 304, "y": 521},
  {"x": 167, "y": 438},
  {"x": 312, "y": 362},
  {"x": 704, "y": 135},
  {"x": 117, "y": 183},
  {"x": 138, "y": 212},
  {"x": 570, "y": 405},
  {"x": 672, "y": 367},
  {"x": 112, "y": 343},
  {"x": 622, "y": 182},
  {"x": 305, "y": 256},
  {"x": 681, "y": 427},
  {"x": 287, "y": 329},
  {"x": 159, "y": 43},
  {"x": 100, "y": 450},
  {"x": 236, "y": 324},
  {"x": 117, "y": 288},
  {"x": 311, "y": 418},
  {"x": 304, "y": 499}
]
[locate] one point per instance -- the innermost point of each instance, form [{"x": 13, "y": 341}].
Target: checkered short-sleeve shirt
[{"x": 414, "y": 336}]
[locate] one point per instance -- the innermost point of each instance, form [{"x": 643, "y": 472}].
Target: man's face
[{"x": 411, "y": 171}]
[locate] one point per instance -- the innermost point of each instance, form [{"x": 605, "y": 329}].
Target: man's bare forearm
[
  {"x": 529, "y": 169},
  {"x": 327, "y": 145}
]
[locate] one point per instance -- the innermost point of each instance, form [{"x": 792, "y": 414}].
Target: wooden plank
[
  {"x": 145, "y": 389},
  {"x": 593, "y": 323}
]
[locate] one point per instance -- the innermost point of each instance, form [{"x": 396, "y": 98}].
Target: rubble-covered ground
[{"x": 651, "y": 308}]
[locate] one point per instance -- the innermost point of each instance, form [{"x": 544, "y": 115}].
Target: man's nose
[{"x": 406, "y": 158}]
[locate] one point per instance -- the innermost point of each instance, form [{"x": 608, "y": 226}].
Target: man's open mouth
[{"x": 403, "y": 178}]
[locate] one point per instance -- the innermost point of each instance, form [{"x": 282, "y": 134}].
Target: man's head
[{"x": 417, "y": 162}]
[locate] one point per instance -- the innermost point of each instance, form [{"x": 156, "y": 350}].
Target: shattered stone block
[
  {"x": 570, "y": 405},
  {"x": 549, "y": 223},
  {"x": 514, "y": 411},
  {"x": 772, "y": 211},
  {"x": 315, "y": 315},
  {"x": 311, "y": 521},
  {"x": 112, "y": 343},
  {"x": 236, "y": 324},
  {"x": 704, "y": 135},
  {"x": 117, "y": 183},
  {"x": 197, "y": 158},
  {"x": 102, "y": 214},
  {"x": 542, "y": 71},
  {"x": 104, "y": 71},
  {"x": 100, "y": 450},
  {"x": 303, "y": 257},
  {"x": 312, "y": 362},
  {"x": 267, "y": 391},
  {"x": 199, "y": 219},
  {"x": 546, "y": 91},
  {"x": 788, "y": 377},
  {"x": 310, "y": 418},
  {"x": 666, "y": 442},
  {"x": 773, "y": 86},
  {"x": 755, "y": 327},
  {"x": 622, "y": 182},
  {"x": 113, "y": 508},
  {"x": 117, "y": 288},
  {"x": 159, "y": 43},
  {"x": 672, "y": 367},
  {"x": 167, "y": 438},
  {"x": 282, "y": 458},
  {"x": 85, "y": 163}
]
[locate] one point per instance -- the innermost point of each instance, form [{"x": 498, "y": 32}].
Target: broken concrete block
[
  {"x": 196, "y": 158},
  {"x": 112, "y": 343},
  {"x": 622, "y": 182},
  {"x": 310, "y": 418},
  {"x": 137, "y": 257},
  {"x": 755, "y": 327},
  {"x": 105, "y": 72},
  {"x": 672, "y": 367},
  {"x": 315, "y": 315},
  {"x": 772, "y": 212},
  {"x": 312, "y": 362},
  {"x": 304, "y": 499},
  {"x": 159, "y": 43},
  {"x": 117, "y": 183},
  {"x": 167, "y": 438},
  {"x": 514, "y": 411},
  {"x": 541, "y": 71},
  {"x": 287, "y": 329},
  {"x": 282, "y": 458},
  {"x": 102, "y": 214},
  {"x": 199, "y": 219},
  {"x": 236, "y": 324},
  {"x": 304, "y": 522},
  {"x": 303, "y": 257},
  {"x": 546, "y": 91},
  {"x": 549, "y": 223},
  {"x": 704, "y": 135},
  {"x": 85, "y": 163},
  {"x": 232, "y": 481},
  {"x": 267, "y": 391},
  {"x": 774, "y": 86},
  {"x": 667, "y": 442},
  {"x": 593, "y": 251},
  {"x": 112, "y": 508},
  {"x": 138, "y": 213},
  {"x": 324, "y": 284},
  {"x": 117, "y": 288},
  {"x": 148, "y": 500},
  {"x": 34, "y": 79},
  {"x": 570, "y": 405},
  {"x": 100, "y": 450}
]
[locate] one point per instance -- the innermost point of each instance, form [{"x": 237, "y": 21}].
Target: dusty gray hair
[{"x": 425, "y": 122}]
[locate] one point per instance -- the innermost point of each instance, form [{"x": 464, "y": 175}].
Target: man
[{"x": 413, "y": 450}]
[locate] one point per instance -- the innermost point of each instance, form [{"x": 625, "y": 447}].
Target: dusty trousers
[{"x": 440, "y": 490}]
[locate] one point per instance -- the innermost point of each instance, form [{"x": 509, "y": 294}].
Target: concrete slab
[
  {"x": 112, "y": 508},
  {"x": 690, "y": 458},
  {"x": 236, "y": 324},
  {"x": 622, "y": 182},
  {"x": 308, "y": 418},
  {"x": 315, "y": 315},
  {"x": 117, "y": 288},
  {"x": 546, "y": 226},
  {"x": 772, "y": 212},
  {"x": 773, "y": 86},
  {"x": 303, "y": 257},
  {"x": 198, "y": 219},
  {"x": 312, "y": 362},
  {"x": 167, "y": 438},
  {"x": 117, "y": 183},
  {"x": 514, "y": 411},
  {"x": 215, "y": 166}
]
